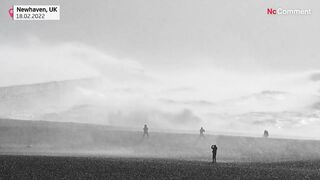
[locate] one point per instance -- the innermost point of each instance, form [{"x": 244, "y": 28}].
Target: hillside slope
[{"x": 39, "y": 137}]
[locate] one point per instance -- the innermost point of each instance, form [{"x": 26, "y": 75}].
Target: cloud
[
  {"x": 130, "y": 93},
  {"x": 41, "y": 62},
  {"x": 315, "y": 76},
  {"x": 126, "y": 117}
]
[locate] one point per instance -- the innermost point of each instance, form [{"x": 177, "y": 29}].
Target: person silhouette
[
  {"x": 145, "y": 131},
  {"x": 265, "y": 134},
  {"x": 202, "y": 131},
  {"x": 214, "y": 153}
]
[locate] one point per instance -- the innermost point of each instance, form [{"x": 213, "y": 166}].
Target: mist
[
  {"x": 170, "y": 89},
  {"x": 74, "y": 139},
  {"x": 125, "y": 92}
]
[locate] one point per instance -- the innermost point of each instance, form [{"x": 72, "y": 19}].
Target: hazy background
[{"x": 174, "y": 64}]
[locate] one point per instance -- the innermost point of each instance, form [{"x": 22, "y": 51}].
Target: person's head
[{"x": 145, "y": 125}]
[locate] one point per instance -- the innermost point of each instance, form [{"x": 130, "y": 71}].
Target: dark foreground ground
[{"x": 51, "y": 167}]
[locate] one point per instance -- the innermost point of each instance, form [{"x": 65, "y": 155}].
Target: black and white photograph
[{"x": 159, "y": 89}]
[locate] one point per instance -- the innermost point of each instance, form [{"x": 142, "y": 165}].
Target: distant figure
[
  {"x": 265, "y": 134},
  {"x": 214, "y": 153},
  {"x": 202, "y": 131},
  {"x": 145, "y": 131}
]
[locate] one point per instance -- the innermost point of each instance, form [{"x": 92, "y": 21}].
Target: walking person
[{"x": 214, "y": 153}]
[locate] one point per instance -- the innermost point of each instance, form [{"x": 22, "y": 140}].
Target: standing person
[
  {"x": 214, "y": 153},
  {"x": 202, "y": 131},
  {"x": 145, "y": 131},
  {"x": 265, "y": 134}
]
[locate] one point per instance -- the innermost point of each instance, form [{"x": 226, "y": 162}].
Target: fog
[
  {"x": 123, "y": 92},
  {"x": 174, "y": 65},
  {"x": 71, "y": 139},
  {"x": 87, "y": 84}
]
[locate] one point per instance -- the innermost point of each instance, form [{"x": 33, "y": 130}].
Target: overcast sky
[
  {"x": 227, "y": 34},
  {"x": 208, "y": 50}
]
